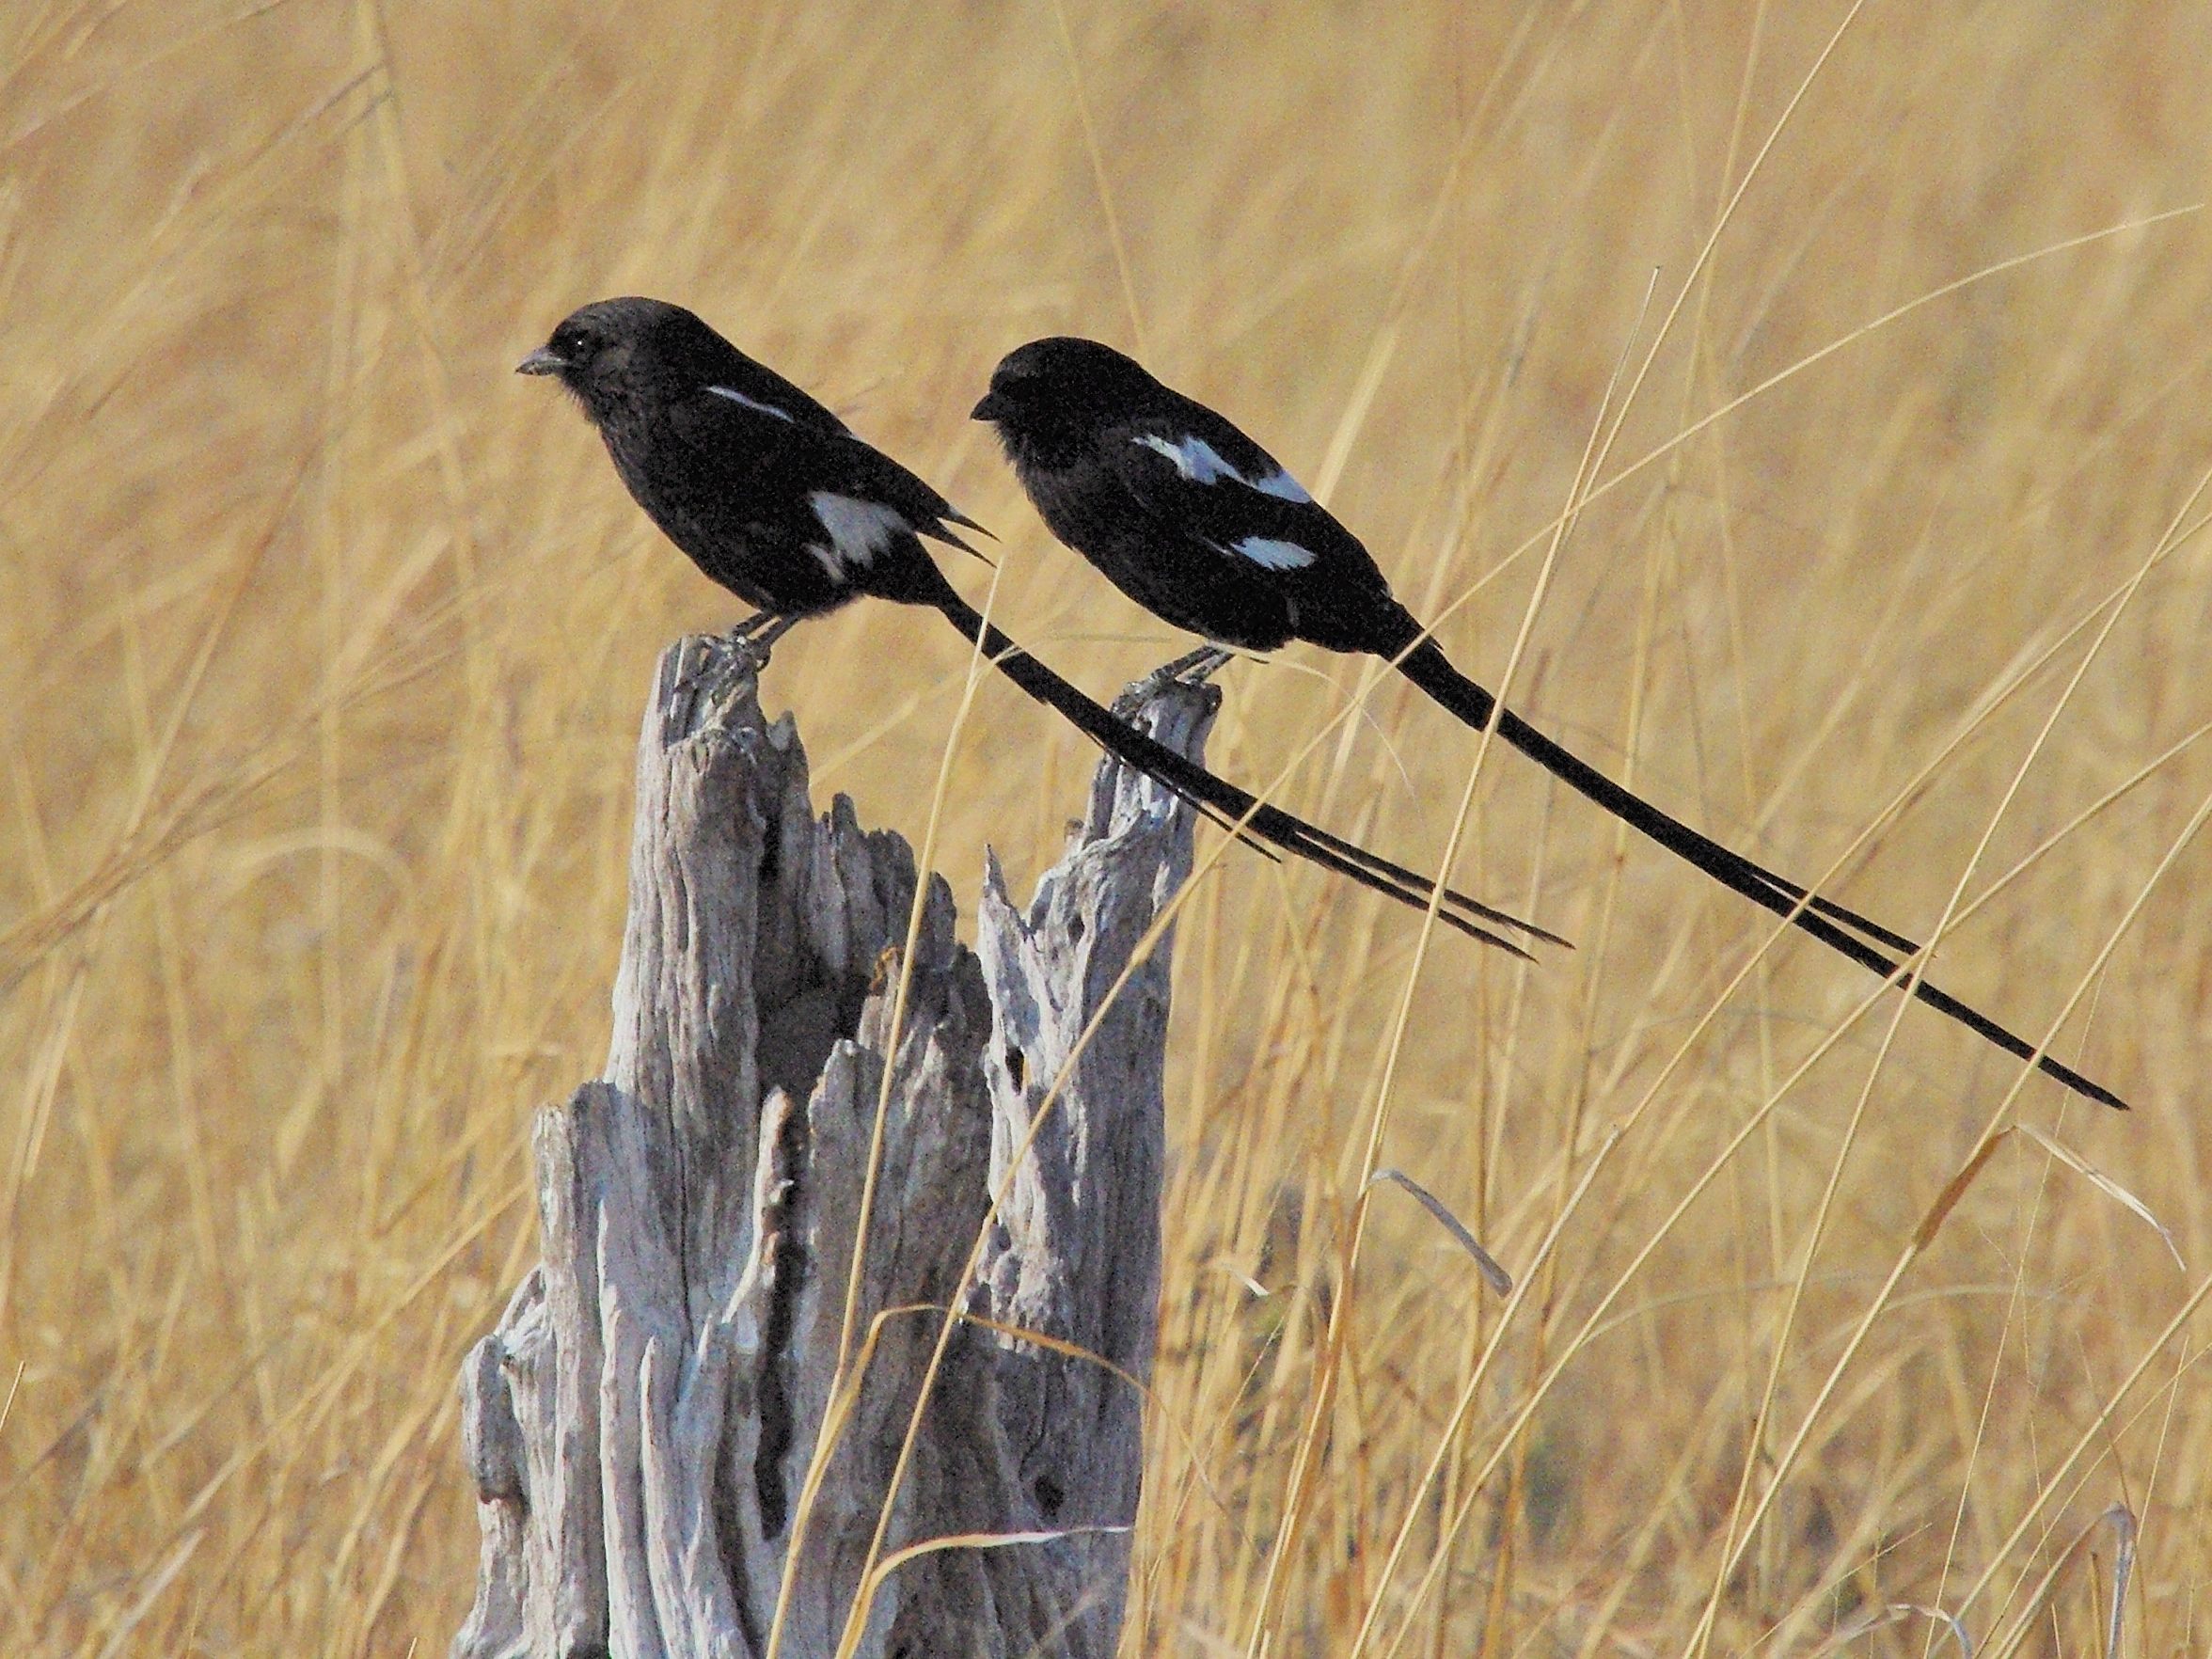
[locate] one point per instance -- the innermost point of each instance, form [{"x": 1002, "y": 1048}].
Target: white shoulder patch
[
  {"x": 737, "y": 397},
  {"x": 1201, "y": 462},
  {"x": 1193, "y": 457},
  {"x": 1269, "y": 554},
  {"x": 1280, "y": 483},
  {"x": 857, "y": 529}
]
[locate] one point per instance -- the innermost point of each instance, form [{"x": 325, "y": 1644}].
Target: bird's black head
[
  {"x": 1046, "y": 398},
  {"x": 607, "y": 350}
]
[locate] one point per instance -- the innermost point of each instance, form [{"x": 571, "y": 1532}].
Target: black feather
[
  {"x": 1195, "y": 522},
  {"x": 774, "y": 498}
]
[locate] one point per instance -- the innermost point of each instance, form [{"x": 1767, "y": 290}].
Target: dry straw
[{"x": 325, "y": 647}]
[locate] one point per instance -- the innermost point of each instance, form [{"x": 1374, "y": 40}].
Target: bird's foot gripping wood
[
  {"x": 756, "y": 636},
  {"x": 1192, "y": 669},
  {"x": 642, "y": 1423}
]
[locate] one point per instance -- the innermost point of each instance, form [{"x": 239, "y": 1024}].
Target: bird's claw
[
  {"x": 1137, "y": 693},
  {"x": 755, "y": 637},
  {"x": 1192, "y": 669}
]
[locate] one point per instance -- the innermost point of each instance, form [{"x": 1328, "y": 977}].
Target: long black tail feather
[
  {"x": 1261, "y": 824},
  {"x": 1430, "y": 670},
  {"x": 1428, "y": 667}
]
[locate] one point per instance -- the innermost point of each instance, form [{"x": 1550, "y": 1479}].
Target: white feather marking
[
  {"x": 1193, "y": 457},
  {"x": 1201, "y": 462},
  {"x": 1269, "y": 554},
  {"x": 739, "y": 398},
  {"x": 857, "y": 529}
]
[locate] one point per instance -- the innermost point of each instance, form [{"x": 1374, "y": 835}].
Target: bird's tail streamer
[
  {"x": 1249, "y": 819},
  {"x": 1428, "y": 667}
]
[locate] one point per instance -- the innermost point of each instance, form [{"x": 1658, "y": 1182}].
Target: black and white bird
[
  {"x": 774, "y": 498},
  {"x": 1203, "y": 527}
]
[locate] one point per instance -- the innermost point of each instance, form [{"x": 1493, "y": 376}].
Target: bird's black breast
[{"x": 746, "y": 528}]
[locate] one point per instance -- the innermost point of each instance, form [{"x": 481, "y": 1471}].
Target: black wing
[
  {"x": 1193, "y": 474},
  {"x": 744, "y": 384},
  {"x": 796, "y": 445}
]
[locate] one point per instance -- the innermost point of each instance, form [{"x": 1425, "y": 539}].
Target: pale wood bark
[{"x": 640, "y": 1424}]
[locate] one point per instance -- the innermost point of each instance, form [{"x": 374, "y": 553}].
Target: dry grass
[{"x": 327, "y": 637}]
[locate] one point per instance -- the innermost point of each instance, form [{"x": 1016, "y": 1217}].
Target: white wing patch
[
  {"x": 1280, "y": 484},
  {"x": 1269, "y": 554},
  {"x": 1201, "y": 462},
  {"x": 857, "y": 529},
  {"x": 739, "y": 398},
  {"x": 1193, "y": 457}
]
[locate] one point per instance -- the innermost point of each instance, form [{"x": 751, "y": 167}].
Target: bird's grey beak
[
  {"x": 545, "y": 360},
  {"x": 992, "y": 407}
]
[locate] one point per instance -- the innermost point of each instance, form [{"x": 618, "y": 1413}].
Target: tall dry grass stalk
[{"x": 326, "y": 640}]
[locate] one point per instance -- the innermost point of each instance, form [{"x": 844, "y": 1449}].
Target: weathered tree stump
[{"x": 641, "y": 1423}]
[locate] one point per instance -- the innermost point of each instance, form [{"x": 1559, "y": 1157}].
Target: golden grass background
[{"x": 326, "y": 640}]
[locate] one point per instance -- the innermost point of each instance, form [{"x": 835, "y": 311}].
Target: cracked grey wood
[{"x": 641, "y": 1423}]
